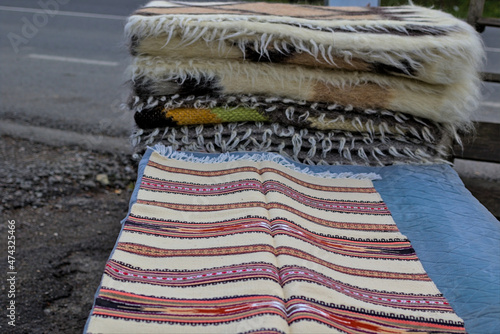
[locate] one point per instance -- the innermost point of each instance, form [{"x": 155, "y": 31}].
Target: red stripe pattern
[{"x": 256, "y": 248}]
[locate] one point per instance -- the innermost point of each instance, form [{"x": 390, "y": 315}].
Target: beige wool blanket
[
  {"x": 410, "y": 41},
  {"x": 441, "y": 103}
]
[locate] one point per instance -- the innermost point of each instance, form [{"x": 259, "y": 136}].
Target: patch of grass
[
  {"x": 297, "y": 2},
  {"x": 454, "y": 7},
  {"x": 457, "y": 8}
]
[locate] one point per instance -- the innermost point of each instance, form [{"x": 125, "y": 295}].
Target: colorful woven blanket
[
  {"x": 336, "y": 72},
  {"x": 249, "y": 245},
  {"x": 191, "y": 110}
]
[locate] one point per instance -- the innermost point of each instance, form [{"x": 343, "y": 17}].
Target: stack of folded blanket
[{"x": 320, "y": 85}]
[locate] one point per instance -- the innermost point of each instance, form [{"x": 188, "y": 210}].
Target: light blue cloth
[{"x": 455, "y": 237}]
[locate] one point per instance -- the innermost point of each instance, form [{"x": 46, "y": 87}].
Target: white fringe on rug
[{"x": 169, "y": 152}]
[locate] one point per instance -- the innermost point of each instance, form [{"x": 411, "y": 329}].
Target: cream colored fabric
[
  {"x": 242, "y": 246},
  {"x": 441, "y": 103}
]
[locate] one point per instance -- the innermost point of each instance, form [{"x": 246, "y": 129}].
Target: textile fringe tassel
[
  {"x": 442, "y": 103},
  {"x": 373, "y": 123},
  {"x": 189, "y": 29},
  {"x": 169, "y": 152},
  {"x": 321, "y": 148}
]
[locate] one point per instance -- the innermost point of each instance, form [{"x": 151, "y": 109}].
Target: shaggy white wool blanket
[
  {"x": 452, "y": 104},
  {"x": 417, "y": 42}
]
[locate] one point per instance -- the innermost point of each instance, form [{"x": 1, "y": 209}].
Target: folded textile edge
[
  {"x": 451, "y": 104},
  {"x": 170, "y": 152},
  {"x": 194, "y": 110},
  {"x": 302, "y": 145},
  {"x": 407, "y": 40}
]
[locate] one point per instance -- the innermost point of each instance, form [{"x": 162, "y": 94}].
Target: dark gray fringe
[
  {"x": 296, "y": 113},
  {"x": 302, "y": 145}
]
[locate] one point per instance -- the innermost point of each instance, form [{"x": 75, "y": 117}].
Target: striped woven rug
[{"x": 248, "y": 246}]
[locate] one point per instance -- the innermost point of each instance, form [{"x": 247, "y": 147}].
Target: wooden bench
[{"x": 484, "y": 143}]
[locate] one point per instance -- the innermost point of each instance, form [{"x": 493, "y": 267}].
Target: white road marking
[
  {"x": 63, "y": 13},
  {"x": 488, "y": 49},
  {"x": 74, "y": 60},
  {"x": 491, "y": 104}
]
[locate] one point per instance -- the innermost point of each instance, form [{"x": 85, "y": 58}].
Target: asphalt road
[
  {"x": 490, "y": 109},
  {"x": 64, "y": 71}
]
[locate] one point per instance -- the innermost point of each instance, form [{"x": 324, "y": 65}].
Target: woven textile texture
[
  {"x": 405, "y": 77},
  {"x": 253, "y": 246},
  {"x": 206, "y": 109},
  {"x": 302, "y": 145}
]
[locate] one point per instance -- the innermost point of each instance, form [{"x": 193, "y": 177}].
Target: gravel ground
[{"x": 67, "y": 204}]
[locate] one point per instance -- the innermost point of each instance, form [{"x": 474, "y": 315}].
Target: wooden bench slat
[
  {"x": 488, "y": 21},
  {"x": 483, "y": 145},
  {"x": 490, "y": 76}
]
